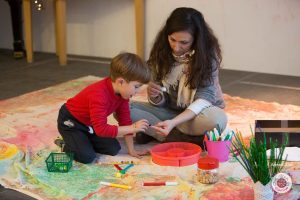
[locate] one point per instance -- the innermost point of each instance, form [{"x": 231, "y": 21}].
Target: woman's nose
[{"x": 176, "y": 47}]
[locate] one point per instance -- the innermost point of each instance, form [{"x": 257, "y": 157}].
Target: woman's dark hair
[{"x": 207, "y": 57}]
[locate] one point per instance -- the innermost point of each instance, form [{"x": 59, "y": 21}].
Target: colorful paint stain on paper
[
  {"x": 7, "y": 150},
  {"x": 29, "y": 121}
]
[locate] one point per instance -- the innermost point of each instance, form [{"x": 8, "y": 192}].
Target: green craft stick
[
  {"x": 123, "y": 171},
  {"x": 227, "y": 136},
  {"x": 213, "y": 136}
]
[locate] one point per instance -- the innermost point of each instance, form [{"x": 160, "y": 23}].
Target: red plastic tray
[{"x": 175, "y": 154}]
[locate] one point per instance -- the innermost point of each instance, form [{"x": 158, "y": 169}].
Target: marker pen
[{"x": 168, "y": 183}]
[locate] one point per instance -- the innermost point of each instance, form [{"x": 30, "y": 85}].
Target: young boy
[{"x": 82, "y": 120}]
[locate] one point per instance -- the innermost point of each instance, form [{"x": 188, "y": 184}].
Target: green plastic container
[{"x": 59, "y": 162}]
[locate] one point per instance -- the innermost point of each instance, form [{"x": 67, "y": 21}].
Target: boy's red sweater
[{"x": 95, "y": 103}]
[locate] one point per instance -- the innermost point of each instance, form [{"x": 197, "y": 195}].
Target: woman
[{"x": 185, "y": 91}]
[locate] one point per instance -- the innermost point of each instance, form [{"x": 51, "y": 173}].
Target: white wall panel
[{"x": 260, "y": 36}]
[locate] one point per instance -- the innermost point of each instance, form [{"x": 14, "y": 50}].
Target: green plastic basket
[{"x": 59, "y": 162}]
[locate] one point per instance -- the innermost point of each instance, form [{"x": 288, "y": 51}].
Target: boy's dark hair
[{"x": 130, "y": 67}]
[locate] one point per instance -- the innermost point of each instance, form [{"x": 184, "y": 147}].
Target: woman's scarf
[{"x": 178, "y": 77}]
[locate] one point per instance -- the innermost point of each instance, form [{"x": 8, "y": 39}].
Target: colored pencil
[
  {"x": 123, "y": 171},
  {"x": 115, "y": 185},
  {"x": 118, "y": 167}
]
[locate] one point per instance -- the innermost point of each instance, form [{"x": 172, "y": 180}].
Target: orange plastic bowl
[{"x": 175, "y": 154}]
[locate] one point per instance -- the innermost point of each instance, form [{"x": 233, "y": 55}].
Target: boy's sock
[
  {"x": 142, "y": 138},
  {"x": 60, "y": 143}
]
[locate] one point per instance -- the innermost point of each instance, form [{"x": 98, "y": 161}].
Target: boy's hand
[
  {"x": 140, "y": 126},
  {"x": 138, "y": 154}
]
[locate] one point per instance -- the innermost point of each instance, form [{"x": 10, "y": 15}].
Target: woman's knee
[
  {"x": 216, "y": 119},
  {"x": 221, "y": 120},
  {"x": 210, "y": 119}
]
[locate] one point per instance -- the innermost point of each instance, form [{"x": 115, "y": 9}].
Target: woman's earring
[{"x": 192, "y": 53}]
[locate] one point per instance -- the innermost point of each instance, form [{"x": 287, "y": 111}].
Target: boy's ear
[{"x": 120, "y": 80}]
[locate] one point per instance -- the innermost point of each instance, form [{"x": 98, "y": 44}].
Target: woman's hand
[
  {"x": 138, "y": 154},
  {"x": 164, "y": 127},
  {"x": 153, "y": 89},
  {"x": 140, "y": 126}
]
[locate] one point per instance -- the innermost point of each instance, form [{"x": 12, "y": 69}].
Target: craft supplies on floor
[
  {"x": 116, "y": 185},
  {"x": 123, "y": 171},
  {"x": 121, "y": 159},
  {"x": 208, "y": 170},
  {"x": 166, "y": 183},
  {"x": 59, "y": 162},
  {"x": 175, "y": 154},
  {"x": 118, "y": 167},
  {"x": 217, "y": 135},
  {"x": 218, "y": 149},
  {"x": 218, "y": 144}
]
